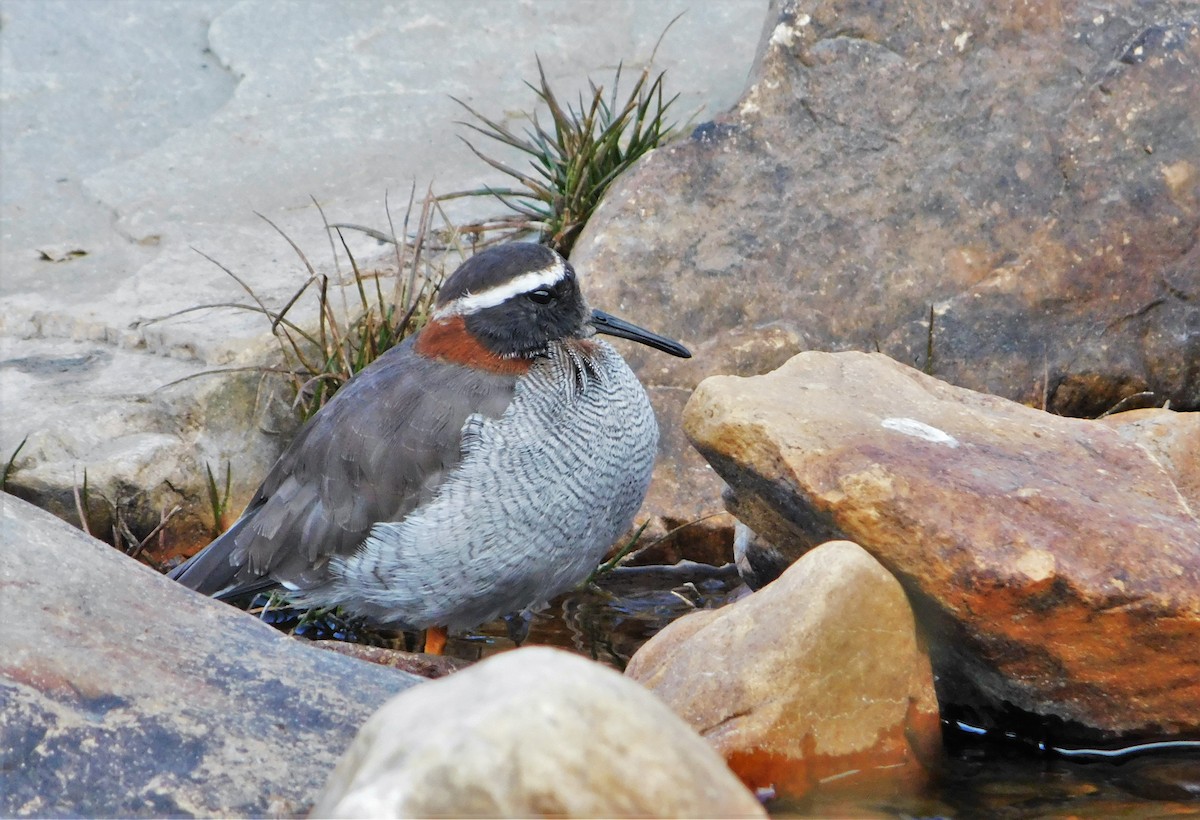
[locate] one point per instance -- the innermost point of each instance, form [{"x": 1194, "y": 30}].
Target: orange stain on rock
[{"x": 900, "y": 758}]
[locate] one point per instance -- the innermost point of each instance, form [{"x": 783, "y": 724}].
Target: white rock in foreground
[{"x": 532, "y": 732}]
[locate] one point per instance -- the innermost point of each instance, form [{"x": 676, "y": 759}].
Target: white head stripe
[{"x": 526, "y": 282}]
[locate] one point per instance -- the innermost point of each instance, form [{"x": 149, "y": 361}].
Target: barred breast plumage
[
  {"x": 479, "y": 468},
  {"x": 550, "y": 485}
]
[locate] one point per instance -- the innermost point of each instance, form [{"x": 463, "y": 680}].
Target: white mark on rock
[
  {"x": 783, "y": 35},
  {"x": 919, "y": 429},
  {"x": 960, "y": 42}
]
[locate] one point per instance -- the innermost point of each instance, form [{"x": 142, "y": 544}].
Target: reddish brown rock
[
  {"x": 1029, "y": 173},
  {"x": 819, "y": 675},
  {"x": 1053, "y": 561}
]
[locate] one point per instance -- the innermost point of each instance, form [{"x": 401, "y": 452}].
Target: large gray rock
[
  {"x": 166, "y": 125},
  {"x": 534, "y": 732},
  {"x": 123, "y": 694},
  {"x": 1028, "y": 172}
]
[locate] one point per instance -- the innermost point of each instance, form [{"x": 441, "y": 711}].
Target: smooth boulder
[
  {"x": 122, "y": 694},
  {"x": 1055, "y": 563},
  {"x": 527, "y": 733},
  {"x": 820, "y": 675}
]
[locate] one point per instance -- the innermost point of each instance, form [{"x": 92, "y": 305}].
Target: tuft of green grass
[
  {"x": 573, "y": 160},
  {"x": 350, "y": 333},
  {"x": 218, "y": 500},
  {"x": 349, "y": 339}
]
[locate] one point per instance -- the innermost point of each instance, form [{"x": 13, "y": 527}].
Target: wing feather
[{"x": 376, "y": 451}]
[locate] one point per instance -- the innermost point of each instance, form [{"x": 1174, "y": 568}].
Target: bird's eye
[{"x": 541, "y": 296}]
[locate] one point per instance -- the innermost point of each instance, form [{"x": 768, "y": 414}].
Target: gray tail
[{"x": 212, "y": 570}]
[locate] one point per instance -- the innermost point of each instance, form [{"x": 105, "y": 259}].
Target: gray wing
[{"x": 376, "y": 451}]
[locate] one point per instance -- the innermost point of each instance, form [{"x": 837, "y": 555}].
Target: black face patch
[{"x": 526, "y": 323}]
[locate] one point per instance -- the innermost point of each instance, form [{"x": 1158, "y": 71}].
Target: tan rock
[
  {"x": 1054, "y": 562},
  {"x": 532, "y": 732},
  {"x": 818, "y": 675},
  {"x": 1174, "y": 441}
]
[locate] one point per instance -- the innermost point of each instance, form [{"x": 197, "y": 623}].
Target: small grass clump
[
  {"x": 380, "y": 318},
  {"x": 350, "y": 333},
  {"x": 218, "y": 500},
  {"x": 574, "y": 160}
]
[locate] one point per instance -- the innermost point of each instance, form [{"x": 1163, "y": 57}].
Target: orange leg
[{"x": 435, "y": 640}]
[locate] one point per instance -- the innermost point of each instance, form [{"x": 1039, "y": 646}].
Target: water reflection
[{"x": 609, "y": 620}]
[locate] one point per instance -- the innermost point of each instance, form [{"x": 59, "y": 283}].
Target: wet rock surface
[
  {"x": 532, "y": 732},
  {"x": 415, "y": 663},
  {"x": 820, "y": 675},
  {"x": 1054, "y": 562},
  {"x": 123, "y": 694},
  {"x": 1029, "y": 175}
]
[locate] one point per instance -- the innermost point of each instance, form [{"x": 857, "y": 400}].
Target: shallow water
[
  {"x": 610, "y": 621},
  {"x": 983, "y": 778},
  {"x": 978, "y": 776}
]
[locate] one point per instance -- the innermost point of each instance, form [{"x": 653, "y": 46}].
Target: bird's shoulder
[
  {"x": 403, "y": 407},
  {"x": 380, "y": 448}
]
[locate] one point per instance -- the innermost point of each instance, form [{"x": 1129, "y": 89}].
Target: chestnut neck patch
[{"x": 447, "y": 339}]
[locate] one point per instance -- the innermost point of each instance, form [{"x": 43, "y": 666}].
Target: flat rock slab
[
  {"x": 1054, "y": 562},
  {"x": 123, "y": 694}
]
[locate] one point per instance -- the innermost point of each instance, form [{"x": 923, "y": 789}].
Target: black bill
[{"x": 607, "y": 323}]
